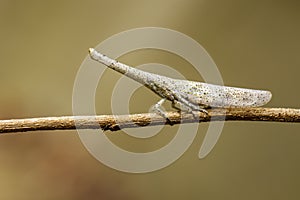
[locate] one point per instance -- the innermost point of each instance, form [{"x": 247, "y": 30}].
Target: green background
[{"x": 255, "y": 44}]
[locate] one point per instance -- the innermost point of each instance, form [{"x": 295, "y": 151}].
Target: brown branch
[{"x": 113, "y": 123}]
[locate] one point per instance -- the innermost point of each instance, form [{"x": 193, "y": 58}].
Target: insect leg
[
  {"x": 195, "y": 113},
  {"x": 174, "y": 106},
  {"x": 190, "y": 107},
  {"x": 157, "y": 109}
]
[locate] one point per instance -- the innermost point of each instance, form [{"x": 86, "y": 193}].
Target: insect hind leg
[
  {"x": 183, "y": 106},
  {"x": 187, "y": 105}
]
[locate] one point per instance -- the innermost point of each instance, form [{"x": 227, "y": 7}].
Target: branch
[{"x": 114, "y": 123}]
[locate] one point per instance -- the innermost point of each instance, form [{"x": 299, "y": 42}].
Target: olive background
[{"x": 255, "y": 44}]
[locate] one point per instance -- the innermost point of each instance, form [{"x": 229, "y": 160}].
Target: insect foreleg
[{"x": 157, "y": 108}]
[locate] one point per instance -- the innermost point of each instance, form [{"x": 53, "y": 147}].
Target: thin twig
[{"x": 114, "y": 123}]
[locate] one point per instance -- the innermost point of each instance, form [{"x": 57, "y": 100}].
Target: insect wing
[{"x": 222, "y": 96}]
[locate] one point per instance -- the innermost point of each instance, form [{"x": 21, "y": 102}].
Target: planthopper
[{"x": 189, "y": 95}]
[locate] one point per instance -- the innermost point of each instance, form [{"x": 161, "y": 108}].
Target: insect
[{"x": 189, "y": 95}]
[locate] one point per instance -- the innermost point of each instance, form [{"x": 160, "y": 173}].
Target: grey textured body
[{"x": 189, "y": 94}]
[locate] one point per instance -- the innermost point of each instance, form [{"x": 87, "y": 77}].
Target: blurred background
[{"x": 255, "y": 44}]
